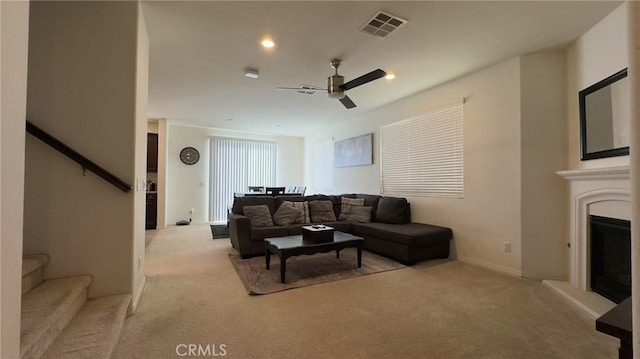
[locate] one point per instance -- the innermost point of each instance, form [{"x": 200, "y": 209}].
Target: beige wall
[
  {"x": 188, "y": 186},
  {"x": 544, "y": 142},
  {"x": 596, "y": 55},
  {"x": 634, "y": 77},
  {"x": 82, "y": 90},
  {"x": 489, "y": 214},
  {"x": 14, "y": 38},
  {"x": 142, "y": 90}
]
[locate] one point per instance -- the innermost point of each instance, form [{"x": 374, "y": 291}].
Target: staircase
[{"x": 58, "y": 321}]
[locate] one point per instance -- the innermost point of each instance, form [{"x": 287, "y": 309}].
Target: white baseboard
[
  {"x": 491, "y": 266},
  {"x": 138, "y": 296},
  {"x": 592, "y": 303}
]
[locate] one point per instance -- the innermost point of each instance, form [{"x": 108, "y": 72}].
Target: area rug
[
  {"x": 219, "y": 231},
  {"x": 307, "y": 270}
]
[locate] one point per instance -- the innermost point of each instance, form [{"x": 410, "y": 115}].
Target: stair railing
[{"x": 86, "y": 163}]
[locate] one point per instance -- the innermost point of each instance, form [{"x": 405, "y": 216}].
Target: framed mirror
[{"x": 604, "y": 118}]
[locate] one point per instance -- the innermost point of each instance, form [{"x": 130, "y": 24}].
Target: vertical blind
[
  {"x": 237, "y": 164},
  {"x": 424, "y": 155}
]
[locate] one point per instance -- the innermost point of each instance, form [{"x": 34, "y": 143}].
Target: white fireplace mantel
[
  {"x": 595, "y": 174},
  {"x": 601, "y": 191}
]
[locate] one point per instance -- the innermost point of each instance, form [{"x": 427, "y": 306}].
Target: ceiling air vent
[{"x": 382, "y": 24}]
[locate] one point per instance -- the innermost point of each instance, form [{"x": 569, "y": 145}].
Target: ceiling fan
[{"x": 336, "y": 85}]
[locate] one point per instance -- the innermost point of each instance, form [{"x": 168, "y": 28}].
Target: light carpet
[
  {"x": 305, "y": 270},
  {"x": 434, "y": 309}
]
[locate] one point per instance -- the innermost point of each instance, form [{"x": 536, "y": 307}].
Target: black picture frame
[{"x": 585, "y": 153}]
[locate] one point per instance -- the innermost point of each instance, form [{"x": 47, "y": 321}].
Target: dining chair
[{"x": 274, "y": 190}]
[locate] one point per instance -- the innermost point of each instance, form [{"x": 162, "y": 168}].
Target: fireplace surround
[{"x": 601, "y": 192}]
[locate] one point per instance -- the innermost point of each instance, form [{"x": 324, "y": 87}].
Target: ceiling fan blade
[
  {"x": 373, "y": 75},
  {"x": 346, "y": 101},
  {"x": 305, "y": 90}
]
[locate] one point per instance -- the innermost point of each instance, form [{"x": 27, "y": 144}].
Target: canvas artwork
[{"x": 355, "y": 151}]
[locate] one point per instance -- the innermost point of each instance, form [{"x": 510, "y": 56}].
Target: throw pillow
[
  {"x": 286, "y": 215},
  {"x": 259, "y": 215},
  {"x": 392, "y": 210},
  {"x": 321, "y": 211},
  {"x": 360, "y": 214},
  {"x": 347, "y": 205},
  {"x": 304, "y": 217}
]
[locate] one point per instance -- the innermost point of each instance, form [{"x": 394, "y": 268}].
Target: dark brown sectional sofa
[{"x": 389, "y": 233}]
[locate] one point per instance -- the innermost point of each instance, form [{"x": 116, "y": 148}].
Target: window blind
[
  {"x": 237, "y": 164},
  {"x": 424, "y": 155}
]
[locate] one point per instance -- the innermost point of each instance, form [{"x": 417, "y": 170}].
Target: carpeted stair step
[
  {"x": 46, "y": 310},
  {"x": 33, "y": 270},
  {"x": 94, "y": 331}
]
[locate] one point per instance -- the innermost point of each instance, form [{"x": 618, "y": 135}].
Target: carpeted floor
[
  {"x": 434, "y": 309},
  {"x": 304, "y": 270}
]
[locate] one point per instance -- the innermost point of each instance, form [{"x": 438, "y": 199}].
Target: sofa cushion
[
  {"x": 410, "y": 234},
  {"x": 286, "y": 214},
  {"x": 304, "y": 207},
  {"x": 393, "y": 210},
  {"x": 281, "y": 199},
  {"x": 241, "y": 202},
  {"x": 321, "y": 211},
  {"x": 370, "y": 200},
  {"x": 346, "y": 206},
  {"x": 360, "y": 214},
  {"x": 259, "y": 215}
]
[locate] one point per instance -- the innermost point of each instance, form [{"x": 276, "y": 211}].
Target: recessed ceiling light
[
  {"x": 390, "y": 76},
  {"x": 268, "y": 43}
]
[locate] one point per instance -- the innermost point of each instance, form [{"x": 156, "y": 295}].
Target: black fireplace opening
[{"x": 611, "y": 257}]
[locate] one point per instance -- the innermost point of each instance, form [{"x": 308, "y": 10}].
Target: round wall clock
[{"x": 189, "y": 156}]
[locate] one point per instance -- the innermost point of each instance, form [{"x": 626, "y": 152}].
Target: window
[
  {"x": 237, "y": 164},
  {"x": 424, "y": 155}
]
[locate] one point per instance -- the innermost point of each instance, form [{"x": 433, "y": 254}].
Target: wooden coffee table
[{"x": 291, "y": 246}]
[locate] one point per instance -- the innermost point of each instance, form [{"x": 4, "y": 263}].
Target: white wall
[
  {"x": 188, "y": 186},
  {"x": 599, "y": 53},
  {"x": 489, "y": 214},
  {"x": 82, "y": 90},
  {"x": 142, "y": 90},
  {"x": 14, "y": 28},
  {"x": 161, "y": 185}
]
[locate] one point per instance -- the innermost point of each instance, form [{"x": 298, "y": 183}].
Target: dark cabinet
[
  {"x": 152, "y": 152},
  {"x": 152, "y": 211}
]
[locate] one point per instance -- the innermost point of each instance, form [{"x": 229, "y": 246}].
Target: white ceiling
[{"x": 199, "y": 52}]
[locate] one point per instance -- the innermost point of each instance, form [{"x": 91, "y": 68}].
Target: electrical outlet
[
  {"x": 507, "y": 247},
  {"x": 191, "y": 211}
]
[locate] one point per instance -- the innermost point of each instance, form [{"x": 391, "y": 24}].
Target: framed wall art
[{"x": 355, "y": 151}]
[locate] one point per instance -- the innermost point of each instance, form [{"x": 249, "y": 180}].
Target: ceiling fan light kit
[{"x": 335, "y": 82}]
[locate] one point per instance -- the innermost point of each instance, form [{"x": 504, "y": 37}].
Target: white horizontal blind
[
  {"x": 424, "y": 155},
  {"x": 237, "y": 164}
]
